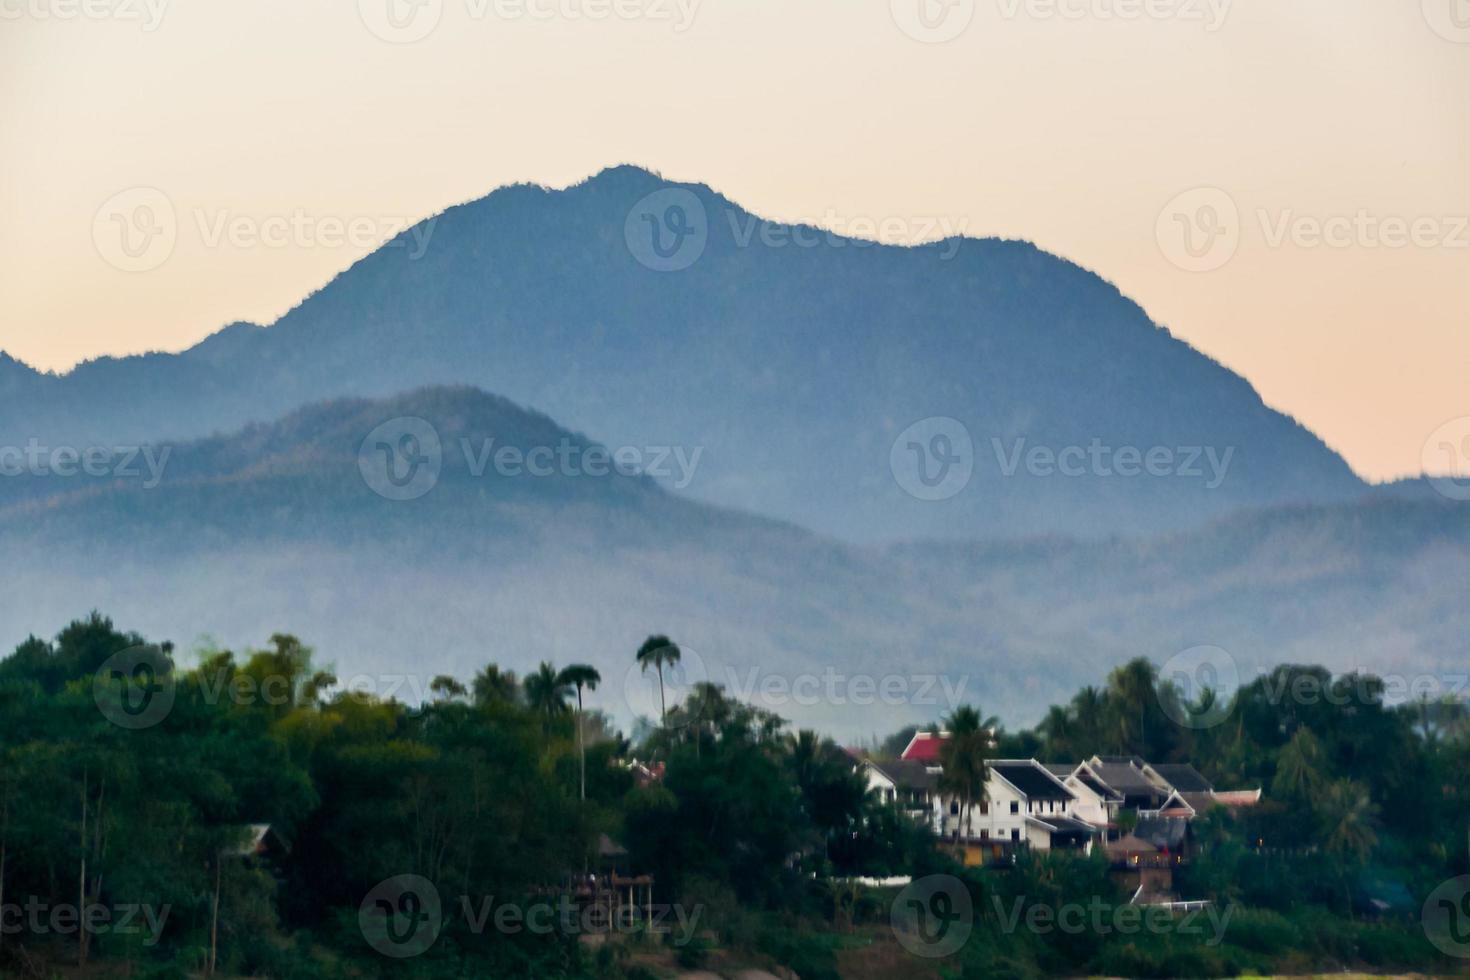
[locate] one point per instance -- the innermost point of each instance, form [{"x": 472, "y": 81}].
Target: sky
[{"x": 1284, "y": 185}]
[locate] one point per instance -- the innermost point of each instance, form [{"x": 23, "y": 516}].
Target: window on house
[
  {"x": 1015, "y": 806},
  {"x": 954, "y": 807},
  {"x": 984, "y": 807},
  {"x": 1015, "y": 835},
  {"x": 985, "y": 833}
]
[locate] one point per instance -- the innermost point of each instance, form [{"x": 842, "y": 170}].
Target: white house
[
  {"x": 911, "y": 786},
  {"x": 1044, "y": 807},
  {"x": 1025, "y": 805},
  {"x": 1093, "y": 801}
]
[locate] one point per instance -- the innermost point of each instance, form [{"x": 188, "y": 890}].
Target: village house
[
  {"x": 910, "y": 785},
  {"x": 1056, "y": 806},
  {"x": 1093, "y": 800}
]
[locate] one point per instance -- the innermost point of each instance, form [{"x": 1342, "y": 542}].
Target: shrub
[
  {"x": 1262, "y": 931},
  {"x": 1390, "y": 946}
]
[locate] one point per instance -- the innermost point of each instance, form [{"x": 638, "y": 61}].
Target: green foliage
[{"x": 498, "y": 788}]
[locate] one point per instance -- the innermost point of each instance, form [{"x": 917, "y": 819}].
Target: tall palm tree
[
  {"x": 964, "y": 756},
  {"x": 547, "y": 693},
  {"x": 1299, "y": 768},
  {"x": 1348, "y": 817},
  {"x": 1090, "y": 713},
  {"x": 446, "y": 687},
  {"x": 707, "y": 710},
  {"x": 657, "y": 651},
  {"x": 1059, "y": 728},
  {"x": 581, "y": 676},
  {"x": 1132, "y": 690},
  {"x": 493, "y": 685}
]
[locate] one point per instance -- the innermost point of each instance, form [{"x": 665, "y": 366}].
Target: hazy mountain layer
[
  {"x": 795, "y": 360},
  {"x": 286, "y": 527}
]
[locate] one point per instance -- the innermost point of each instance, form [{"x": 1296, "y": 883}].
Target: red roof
[{"x": 924, "y": 747}]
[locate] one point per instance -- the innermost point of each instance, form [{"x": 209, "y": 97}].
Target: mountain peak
[
  {"x": 798, "y": 360},
  {"x": 15, "y": 373}
]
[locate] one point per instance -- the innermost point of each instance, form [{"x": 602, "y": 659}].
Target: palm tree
[
  {"x": 580, "y": 676},
  {"x": 1348, "y": 816},
  {"x": 964, "y": 755},
  {"x": 493, "y": 685},
  {"x": 1299, "y": 768},
  {"x": 1059, "y": 729},
  {"x": 1132, "y": 689},
  {"x": 707, "y": 710},
  {"x": 1090, "y": 712},
  {"x": 547, "y": 693},
  {"x": 658, "y": 651},
  {"x": 446, "y": 687}
]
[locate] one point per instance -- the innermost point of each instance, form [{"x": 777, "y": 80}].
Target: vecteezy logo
[
  {"x": 135, "y": 230},
  {"x": 1446, "y": 459},
  {"x": 134, "y": 688},
  {"x": 401, "y": 459},
  {"x": 933, "y": 916},
  {"x": 1191, "y": 674},
  {"x": 932, "y": 21},
  {"x": 1450, "y": 19},
  {"x": 401, "y": 21},
  {"x": 667, "y": 231},
  {"x": 401, "y": 916},
  {"x": 933, "y": 458},
  {"x": 1199, "y": 230},
  {"x": 1446, "y": 917}
]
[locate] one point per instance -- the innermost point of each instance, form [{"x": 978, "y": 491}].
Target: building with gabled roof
[
  {"x": 1026, "y": 805},
  {"x": 911, "y": 786},
  {"x": 924, "y": 747},
  {"x": 1049, "y": 806},
  {"x": 1179, "y": 776},
  {"x": 1125, "y": 776}
]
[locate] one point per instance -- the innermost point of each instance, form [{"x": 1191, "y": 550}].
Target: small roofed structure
[
  {"x": 1066, "y": 833},
  {"x": 907, "y": 784},
  {"x": 1180, "y": 776},
  {"x": 924, "y": 747},
  {"x": 1169, "y": 835},
  {"x": 645, "y": 774},
  {"x": 1233, "y": 798},
  {"x": 1125, "y": 776},
  {"x": 1130, "y": 848},
  {"x": 259, "y": 840}
]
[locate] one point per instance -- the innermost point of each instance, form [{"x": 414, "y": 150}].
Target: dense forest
[{"x": 164, "y": 815}]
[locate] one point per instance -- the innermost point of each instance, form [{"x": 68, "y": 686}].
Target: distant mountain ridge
[
  {"x": 795, "y": 368},
  {"x": 288, "y": 526}
]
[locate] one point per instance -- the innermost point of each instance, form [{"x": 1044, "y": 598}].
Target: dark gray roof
[
  {"x": 1183, "y": 777},
  {"x": 1162, "y": 831},
  {"x": 1124, "y": 778},
  {"x": 1200, "y": 803},
  {"x": 1065, "y": 825},
  {"x": 1032, "y": 779},
  {"x": 908, "y": 774},
  {"x": 1061, "y": 770},
  {"x": 1106, "y": 792},
  {"x": 1072, "y": 824}
]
